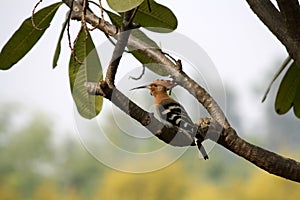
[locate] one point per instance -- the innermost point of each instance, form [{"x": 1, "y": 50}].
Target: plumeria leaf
[
  {"x": 85, "y": 66},
  {"x": 287, "y": 90},
  {"x": 26, "y": 36},
  {"x": 123, "y": 5},
  {"x": 58, "y": 46}
]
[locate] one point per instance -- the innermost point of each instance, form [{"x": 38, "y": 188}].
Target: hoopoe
[{"x": 172, "y": 113}]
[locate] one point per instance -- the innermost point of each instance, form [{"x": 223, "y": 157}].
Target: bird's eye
[{"x": 154, "y": 85}]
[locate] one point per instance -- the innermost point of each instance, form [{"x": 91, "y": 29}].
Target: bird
[{"x": 172, "y": 113}]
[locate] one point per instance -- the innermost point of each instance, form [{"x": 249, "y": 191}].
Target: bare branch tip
[
  {"x": 32, "y": 17},
  {"x": 140, "y": 76}
]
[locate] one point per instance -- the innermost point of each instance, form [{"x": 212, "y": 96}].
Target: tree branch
[
  {"x": 169, "y": 135},
  {"x": 119, "y": 48},
  {"x": 279, "y": 23},
  {"x": 290, "y": 12},
  {"x": 218, "y": 127},
  {"x": 180, "y": 77},
  {"x": 208, "y": 129},
  {"x": 269, "y": 15},
  {"x": 262, "y": 158}
]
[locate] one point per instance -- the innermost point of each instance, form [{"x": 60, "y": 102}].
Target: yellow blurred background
[{"x": 34, "y": 165}]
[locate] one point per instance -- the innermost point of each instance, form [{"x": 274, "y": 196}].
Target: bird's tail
[{"x": 201, "y": 149}]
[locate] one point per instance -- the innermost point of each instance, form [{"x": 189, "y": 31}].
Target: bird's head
[{"x": 158, "y": 86}]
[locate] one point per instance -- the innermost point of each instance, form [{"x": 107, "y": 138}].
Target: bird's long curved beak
[{"x": 141, "y": 87}]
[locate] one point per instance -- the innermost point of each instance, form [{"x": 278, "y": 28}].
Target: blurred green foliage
[{"x": 34, "y": 167}]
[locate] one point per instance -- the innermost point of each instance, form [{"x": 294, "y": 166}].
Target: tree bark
[
  {"x": 283, "y": 23},
  {"x": 262, "y": 158}
]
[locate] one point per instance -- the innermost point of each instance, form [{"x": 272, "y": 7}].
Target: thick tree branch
[
  {"x": 289, "y": 9},
  {"x": 216, "y": 128},
  {"x": 209, "y": 129},
  {"x": 262, "y": 158},
  {"x": 290, "y": 12},
  {"x": 269, "y": 15},
  {"x": 168, "y": 135},
  {"x": 180, "y": 77},
  {"x": 279, "y": 22}
]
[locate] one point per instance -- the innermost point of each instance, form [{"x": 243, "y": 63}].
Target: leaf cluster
[
  {"x": 288, "y": 94},
  {"x": 85, "y": 64}
]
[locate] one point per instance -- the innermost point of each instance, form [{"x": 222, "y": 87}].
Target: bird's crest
[{"x": 166, "y": 83}]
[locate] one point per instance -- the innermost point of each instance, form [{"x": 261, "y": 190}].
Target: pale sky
[{"x": 243, "y": 50}]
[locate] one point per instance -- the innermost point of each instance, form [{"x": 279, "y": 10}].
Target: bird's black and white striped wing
[{"x": 175, "y": 115}]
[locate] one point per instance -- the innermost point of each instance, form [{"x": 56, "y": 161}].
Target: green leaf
[
  {"x": 114, "y": 18},
  {"x": 26, "y": 37},
  {"x": 145, "y": 60},
  {"x": 58, "y": 46},
  {"x": 287, "y": 89},
  {"x": 123, "y": 5},
  {"x": 297, "y": 102},
  {"x": 160, "y": 19},
  {"x": 285, "y": 63},
  {"x": 89, "y": 70}
]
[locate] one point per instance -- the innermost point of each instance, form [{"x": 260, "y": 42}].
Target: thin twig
[
  {"x": 149, "y": 6},
  {"x": 74, "y": 43},
  {"x": 69, "y": 35},
  {"x": 130, "y": 20},
  {"x": 83, "y": 18},
  {"x": 101, "y": 9},
  {"x": 102, "y": 17},
  {"x": 141, "y": 75},
  {"x": 92, "y": 2},
  {"x": 98, "y": 23},
  {"x": 32, "y": 17},
  {"x": 68, "y": 27},
  {"x": 285, "y": 63},
  {"x": 172, "y": 58},
  {"x": 177, "y": 62}
]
